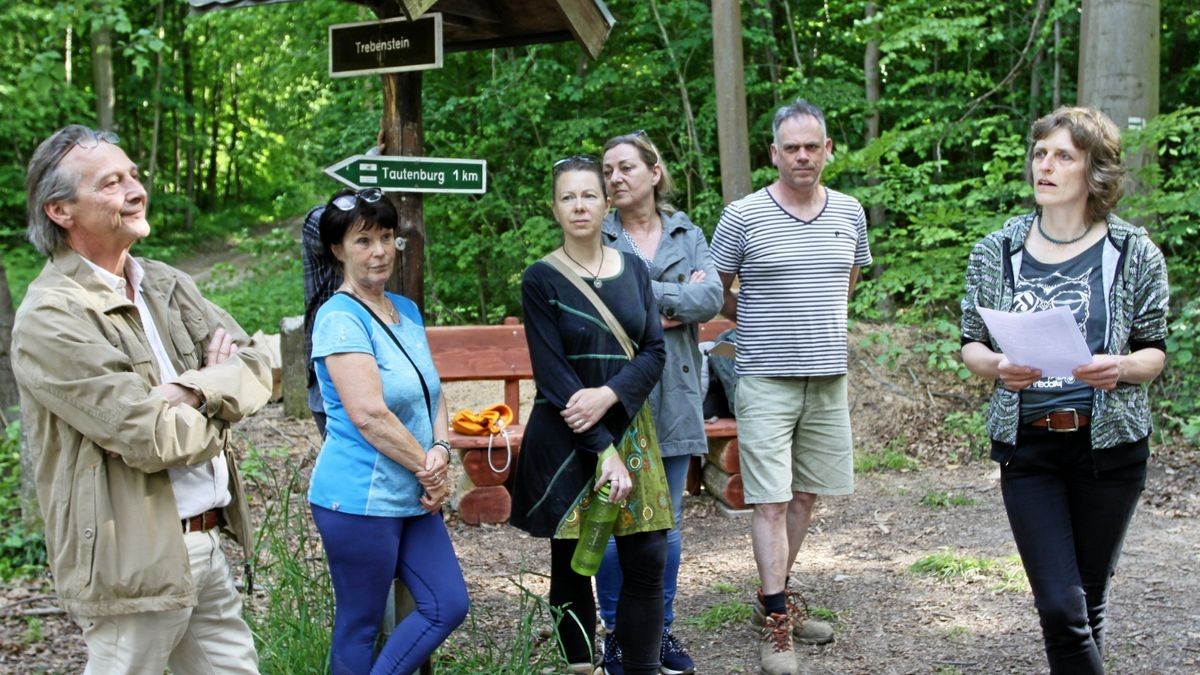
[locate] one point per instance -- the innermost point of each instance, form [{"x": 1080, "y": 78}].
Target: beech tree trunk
[
  {"x": 876, "y": 214},
  {"x": 1118, "y": 59},
  {"x": 732, "y": 128},
  {"x": 1119, "y": 66},
  {"x": 102, "y": 76}
]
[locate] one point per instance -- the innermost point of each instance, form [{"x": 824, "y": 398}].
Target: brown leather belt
[
  {"x": 205, "y": 521},
  {"x": 1063, "y": 420}
]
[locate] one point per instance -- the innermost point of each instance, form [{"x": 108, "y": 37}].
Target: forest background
[{"x": 232, "y": 116}]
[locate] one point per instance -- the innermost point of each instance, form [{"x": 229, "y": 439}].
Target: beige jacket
[{"x": 85, "y": 372}]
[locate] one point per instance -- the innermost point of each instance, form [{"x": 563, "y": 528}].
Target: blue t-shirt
[{"x": 351, "y": 476}]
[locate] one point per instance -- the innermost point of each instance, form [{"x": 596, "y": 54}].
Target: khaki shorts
[{"x": 794, "y": 436}]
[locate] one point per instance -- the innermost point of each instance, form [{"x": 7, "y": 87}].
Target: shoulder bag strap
[
  {"x": 605, "y": 313},
  {"x": 388, "y": 332}
]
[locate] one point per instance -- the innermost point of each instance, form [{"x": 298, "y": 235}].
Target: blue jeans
[
  {"x": 1069, "y": 522},
  {"x": 365, "y": 554},
  {"x": 609, "y": 579}
]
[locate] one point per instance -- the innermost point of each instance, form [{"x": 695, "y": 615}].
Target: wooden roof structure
[{"x": 469, "y": 25}]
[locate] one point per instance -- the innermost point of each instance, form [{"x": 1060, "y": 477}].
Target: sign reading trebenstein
[{"x": 388, "y": 46}]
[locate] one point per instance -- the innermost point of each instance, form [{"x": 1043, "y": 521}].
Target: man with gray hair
[
  {"x": 795, "y": 247},
  {"x": 129, "y": 382}
]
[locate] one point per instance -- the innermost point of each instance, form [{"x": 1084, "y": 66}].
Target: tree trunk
[
  {"x": 1118, "y": 59},
  {"x": 102, "y": 76},
  {"x": 728, "y": 70},
  {"x": 189, "y": 112},
  {"x": 1056, "y": 98},
  {"x": 8, "y": 384},
  {"x": 874, "y": 91},
  {"x": 152, "y": 166},
  {"x": 685, "y": 100},
  {"x": 231, "y": 162},
  {"x": 210, "y": 178},
  {"x": 1119, "y": 65}
]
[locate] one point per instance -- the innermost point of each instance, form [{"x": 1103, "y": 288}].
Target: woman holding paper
[{"x": 1073, "y": 450}]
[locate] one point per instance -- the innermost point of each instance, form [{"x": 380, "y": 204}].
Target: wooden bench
[{"x": 500, "y": 353}]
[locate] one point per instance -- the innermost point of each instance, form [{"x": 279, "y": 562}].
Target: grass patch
[
  {"x": 474, "y": 647},
  {"x": 725, "y": 587},
  {"x": 723, "y": 614},
  {"x": 935, "y": 499},
  {"x": 970, "y": 429},
  {"x": 891, "y": 458},
  {"x": 823, "y": 614},
  {"x": 1005, "y": 575}
]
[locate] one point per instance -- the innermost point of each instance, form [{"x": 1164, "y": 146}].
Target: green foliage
[
  {"x": 33, "y": 631},
  {"x": 730, "y": 612},
  {"x": 22, "y": 549},
  {"x": 970, "y": 428},
  {"x": 823, "y": 614},
  {"x": 891, "y": 457},
  {"x": 936, "y": 499},
  {"x": 477, "y": 648},
  {"x": 292, "y": 630},
  {"x": 1005, "y": 575},
  {"x": 270, "y": 288}
]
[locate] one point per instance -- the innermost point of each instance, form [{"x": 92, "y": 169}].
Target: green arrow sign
[{"x": 412, "y": 174}]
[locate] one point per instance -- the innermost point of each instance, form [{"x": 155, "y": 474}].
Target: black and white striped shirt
[{"x": 794, "y": 275}]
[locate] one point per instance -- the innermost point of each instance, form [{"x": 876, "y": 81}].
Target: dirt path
[{"x": 855, "y": 565}]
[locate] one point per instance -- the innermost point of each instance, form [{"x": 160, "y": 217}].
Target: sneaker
[
  {"x": 673, "y": 657},
  {"x": 611, "y": 665},
  {"x": 776, "y": 654},
  {"x": 806, "y": 630}
]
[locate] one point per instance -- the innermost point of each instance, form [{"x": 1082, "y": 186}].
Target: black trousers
[
  {"x": 1069, "y": 522},
  {"x": 639, "y": 608}
]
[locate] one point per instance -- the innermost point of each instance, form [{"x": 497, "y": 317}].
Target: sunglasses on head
[
  {"x": 90, "y": 140},
  {"x": 348, "y": 202},
  {"x": 575, "y": 158}
]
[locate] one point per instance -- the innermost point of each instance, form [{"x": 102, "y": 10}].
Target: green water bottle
[{"x": 594, "y": 531}]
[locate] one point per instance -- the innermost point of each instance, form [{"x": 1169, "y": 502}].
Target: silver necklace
[
  {"x": 595, "y": 277},
  {"x": 1061, "y": 242},
  {"x": 390, "y": 312}
]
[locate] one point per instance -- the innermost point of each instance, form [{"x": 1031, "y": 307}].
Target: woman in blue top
[{"x": 380, "y": 480}]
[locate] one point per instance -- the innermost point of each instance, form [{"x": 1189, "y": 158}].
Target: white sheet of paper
[{"x": 1049, "y": 341}]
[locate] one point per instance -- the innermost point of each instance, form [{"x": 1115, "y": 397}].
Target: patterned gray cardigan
[{"x": 1135, "y": 281}]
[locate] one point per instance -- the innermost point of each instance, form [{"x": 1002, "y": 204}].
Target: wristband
[{"x": 445, "y": 445}]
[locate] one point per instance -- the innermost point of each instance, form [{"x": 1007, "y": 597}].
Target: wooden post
[
  {"x": 294, "y": 363},
  {"x": 732, "y": 130},
  {"x": 404, "y": 135}
]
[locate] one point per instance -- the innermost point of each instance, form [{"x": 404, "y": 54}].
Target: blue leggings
[
  {"x": 1069, "y": 521},
  {"x": 365, "y": 554},
  {"x": 608, "y": 579}
]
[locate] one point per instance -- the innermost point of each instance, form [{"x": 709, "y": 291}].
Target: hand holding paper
[{"x": 1049, "y": 341}]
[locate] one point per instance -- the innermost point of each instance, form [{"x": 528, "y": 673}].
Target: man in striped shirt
[{"x": 795, "y": 247}]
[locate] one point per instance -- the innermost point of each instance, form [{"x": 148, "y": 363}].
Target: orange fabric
[{"x": 487, "y": 422}]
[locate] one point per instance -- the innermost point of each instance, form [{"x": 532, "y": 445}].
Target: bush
[{"x": 22, "y": 549}]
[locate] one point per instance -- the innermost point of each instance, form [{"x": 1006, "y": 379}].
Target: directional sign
[
  {"x": 388, "y": 46},
  {"x": 412, "y": 174}
]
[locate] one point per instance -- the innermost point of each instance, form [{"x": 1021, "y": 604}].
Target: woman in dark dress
[{"x": 589, "y": 424}]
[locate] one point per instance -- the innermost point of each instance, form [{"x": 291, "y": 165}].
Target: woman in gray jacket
[{"x": 688, "y": 291}]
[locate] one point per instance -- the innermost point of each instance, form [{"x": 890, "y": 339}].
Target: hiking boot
[
  {"x": 806, "y": 630},
  {"x": 673, "y": 658},
  {"x": 611, "y": 665},
  {"x": 776, "y": 654}
]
